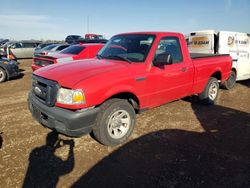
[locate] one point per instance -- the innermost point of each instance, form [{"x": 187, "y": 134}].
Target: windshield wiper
[{"x": 119, "y": 57}]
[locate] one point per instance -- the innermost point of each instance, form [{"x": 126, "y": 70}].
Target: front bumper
[{"x": 70, "y": 123}]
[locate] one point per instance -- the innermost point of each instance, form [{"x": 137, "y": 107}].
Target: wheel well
[
  {"x": 217, "y": 75},
  {"x": 130, "y": 97},
  {"x": 234, "y": 69}
]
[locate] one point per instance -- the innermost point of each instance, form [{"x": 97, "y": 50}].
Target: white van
[{"x": 224, "y": 42}]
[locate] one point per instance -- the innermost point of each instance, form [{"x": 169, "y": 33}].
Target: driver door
[{"x": 172, "y": 81}]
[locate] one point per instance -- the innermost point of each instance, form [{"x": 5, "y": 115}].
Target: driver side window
[{"x": 171, "y": 46}]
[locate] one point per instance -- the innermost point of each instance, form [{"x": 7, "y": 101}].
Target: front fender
[{"x": 115, "y": 91}]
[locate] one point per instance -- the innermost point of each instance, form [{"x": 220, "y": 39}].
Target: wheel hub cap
[
  {"x": 1, "y": 75},
  {"x": 118, "y": 124},
  {"x": 213, "y": 90}
]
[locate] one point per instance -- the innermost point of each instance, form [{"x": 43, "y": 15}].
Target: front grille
[
  {"x": 45, "y": 90},
  {"x": 43, "y": 63}
]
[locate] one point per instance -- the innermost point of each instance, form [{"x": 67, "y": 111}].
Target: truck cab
[{"x": 224, "y": 42}]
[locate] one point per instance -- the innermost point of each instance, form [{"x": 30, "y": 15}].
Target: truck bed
[{"x": 199, "y": 55}]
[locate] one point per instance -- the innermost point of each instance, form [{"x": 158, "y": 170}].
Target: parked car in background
[
  {"x": 73, "y": 52},
  {"x": 50, "y": 49},
  {"x": 3, "y": 41},
  {"x": 43, "y": 45},
  {"x": 19, "y": 49},
  {"x": 8, "y": 69},
  {"x": 88, "y": 38},
  {"x": 94, "y": 37},
  {"x": 132, "y": 72},
  {"x": 72, "y": 39},
  {"x": 224, "y": 42}
]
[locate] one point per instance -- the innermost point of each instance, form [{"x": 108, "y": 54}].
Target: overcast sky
[{"x": 54, "y": 19}]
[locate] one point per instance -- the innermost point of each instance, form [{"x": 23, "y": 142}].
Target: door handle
[{"x": 184, "y": 69}]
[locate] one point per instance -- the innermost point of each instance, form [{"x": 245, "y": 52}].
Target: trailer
[{"x": 224, "y": 42}]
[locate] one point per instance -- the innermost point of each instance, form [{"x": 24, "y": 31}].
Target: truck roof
[
  {"x": 210, "y": 31},
  {"x": 216, "y": 32},
  {"x": 151, "y": 33},
  {"x": 88, "y": 44}
]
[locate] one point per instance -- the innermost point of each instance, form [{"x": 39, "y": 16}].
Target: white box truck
[{"x": 224, "y": 42}]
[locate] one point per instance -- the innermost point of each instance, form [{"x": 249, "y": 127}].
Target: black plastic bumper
[{"x": 70, "y": 123}]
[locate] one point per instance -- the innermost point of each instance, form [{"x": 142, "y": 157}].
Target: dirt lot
[{"x": 181, "y": 144}]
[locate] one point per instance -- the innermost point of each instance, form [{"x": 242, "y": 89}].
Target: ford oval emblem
[{"x": 38, "y": 91}]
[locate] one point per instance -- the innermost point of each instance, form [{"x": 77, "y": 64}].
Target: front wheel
[
  {"x": 115, "y": 122},
  {"x": 3, "y": 75},
  {"x": 210, "y": 93},
  {"x": 231, "y": 81}
]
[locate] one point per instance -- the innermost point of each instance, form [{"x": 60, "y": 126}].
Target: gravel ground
[{"x": 180, "y": 144}]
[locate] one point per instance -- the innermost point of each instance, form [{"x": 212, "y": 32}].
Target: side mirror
[{"x": 163, "y": 59}]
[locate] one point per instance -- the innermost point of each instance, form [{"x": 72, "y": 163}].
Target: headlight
[{"x": 68, "y": 96}]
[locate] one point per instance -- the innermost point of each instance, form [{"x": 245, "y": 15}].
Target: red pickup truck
[
  {"x": 131, "y": 73},
  {"x": 71, "y": 53}
]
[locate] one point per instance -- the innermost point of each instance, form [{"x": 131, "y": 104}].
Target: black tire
[
  {"x": 231, "y": 81},
  {"x": 108, "y": 122},
  {"x": 3, "y": 75},
  {"x": 210, "y": 93}
]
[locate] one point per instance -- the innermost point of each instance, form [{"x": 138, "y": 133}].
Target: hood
[{"x": 69, "y": 74}]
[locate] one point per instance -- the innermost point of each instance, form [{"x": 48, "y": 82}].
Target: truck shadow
[
  {"x": 20, "y": 76},
  {"x": 245, "y": 83},
  {"x": 45, "y": 167},
  {"x": 217, "y": 157}
]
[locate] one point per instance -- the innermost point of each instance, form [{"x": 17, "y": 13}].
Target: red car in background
[{"x": 74, "y": 52}]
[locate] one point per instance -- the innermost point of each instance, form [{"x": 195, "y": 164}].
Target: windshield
[
  {"x": 43, "y": 45},
  {"x": 49, "y": 47},
  {"x": 132, "y": 47},
  {"x": 72, "y": 50},
  {"x": 100, "y": 37},
  {"x": 75, "y": 36}
]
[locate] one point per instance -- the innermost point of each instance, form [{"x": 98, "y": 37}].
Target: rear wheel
[
  {"x": 115, "y": 122},
  {"x": 210, "y": 93},
  {"x": 3, "y": 75},
  {"x": 231, "y": 81}
]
